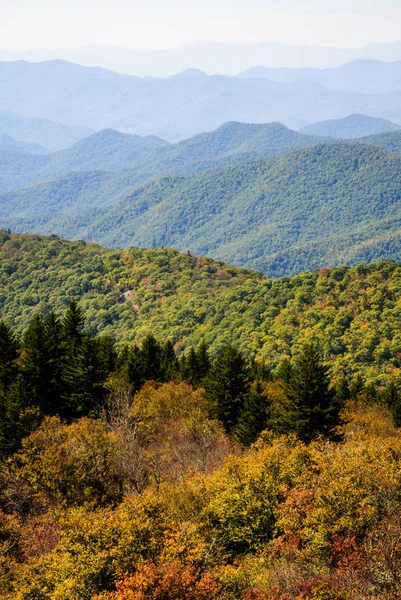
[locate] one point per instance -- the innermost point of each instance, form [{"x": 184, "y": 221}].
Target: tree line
[{"x": 60, "y": 368}]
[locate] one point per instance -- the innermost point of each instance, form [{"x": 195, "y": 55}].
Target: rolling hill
[
  {"x": 302, "y": 210},
  {"x": 127, "y": 293},
  {"x": 353, "y": 126},
  {"x": 49, "y": 134},
  {"x": 148, "y": 157}
]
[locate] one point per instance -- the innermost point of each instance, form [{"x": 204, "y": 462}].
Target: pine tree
[
  {"x": 284, "y": 371},
  {"x": 34, "y": 382},
  {"x": 203, "y": 359},
  {"x": 77, "y": 398},
  {"x": 151, "y": 358},
  {"x": 226, "y": 387},
  {"x": 392, "y": 398},
  {"x": 8, "y": 356},
  {"x": 190, "y": 367},
  {"x": 254, "y": 415},
  {"x": 10, "y": 404},
  {"x": 73, "y": 325},
  {"x": 312, "y": 407},
  {"x": 169, "y": 362}
]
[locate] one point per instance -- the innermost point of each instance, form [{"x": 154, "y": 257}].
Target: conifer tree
[
  {"x": 8, "y": 356},
  {"x": 10, "y": 405},
  {"x": 203, "y": 359},
  {"x": 169, "y": 360},
  {"x": 254, "y": 415},
  {"x": 77, "y": 397},
  {"x": 190, "y": 367},
  {"x": 392, "y": 398},
  {"x": 34, "y": 382},
  {"x": 151, "y": 358},
  {"x": 312, "y": 407},
  {"x": 226, "y": 387}
]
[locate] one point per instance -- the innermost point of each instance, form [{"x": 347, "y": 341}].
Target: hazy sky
[{"x": 26, "y": 24}]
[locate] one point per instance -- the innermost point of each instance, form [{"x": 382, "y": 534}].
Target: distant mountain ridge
[
  {"x": 211, "y": 57},
  {"x": 353, "y": 126},
  {"x": 148, "y": 157},
  {"x": 49, "y": 134},
  {"x": 312, "y": 207},
  {"x": 358, "y": 76},
  {"x": 173, "y": 108}
]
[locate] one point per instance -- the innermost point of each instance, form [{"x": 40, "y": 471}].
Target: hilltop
[{"x": 353, "y": 126}]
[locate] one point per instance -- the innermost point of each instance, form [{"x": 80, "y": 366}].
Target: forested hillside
[
  {"x": 352, "y": 313},
  {"x": 321, "y": 206},
  {"x": 181, "y": 468}
]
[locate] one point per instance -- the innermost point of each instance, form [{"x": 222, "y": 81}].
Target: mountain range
[
  {"x": 305, "y": 203},
  {"x": 214, "y": 58},
  {"x": 358, "y": 76},
  {"x": 178, "y": 107}
]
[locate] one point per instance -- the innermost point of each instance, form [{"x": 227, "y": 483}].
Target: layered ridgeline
[
  {"x": 351, "y": 313},
  {"x": 148, "y": 157},
  {"x": 320, "y": 206},
  {"x": 47, "y": 133},
  {"x": 178, "y": 107},
  {"x": 353, "y": 126}
]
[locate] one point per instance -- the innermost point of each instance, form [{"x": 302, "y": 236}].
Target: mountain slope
[
  {"x": 353, "y": 313},
  {"x": 248, "y": 213},
  {"x": 353, "y": 126},
  {"x": 49, "y": 134},
  {"x": 106, "y": 150},
  {"x": 387, "y": 141},
  {"x": 148, "y": 157},
  {"x": 8, "y": 143}
]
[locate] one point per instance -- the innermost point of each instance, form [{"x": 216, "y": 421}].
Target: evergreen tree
[
  {"x": 259, "y": 371},
  {"x": 135, "y": 368},
  {"x": 169, "y": 362},
  {"x": 55, "y": 363},
  {"x": 392, "y": 398},
  {"x": 226, "y": 386},
  {"x": 77, "y": 398},
  {"x": 312, "y": 407},
  {"x": 284, "y": 371},
  {"x": 8, "y": 356},
  {"x": 34, "y": 381},
  {"x": 151, "y": 358},
  {"x": 190, "y": 367},
  {"x": 254, "y": 415},
  {"x": 10, "y": 405},
  {"x": 203, "y": 359},
  {"x": 73, "y": 325}
]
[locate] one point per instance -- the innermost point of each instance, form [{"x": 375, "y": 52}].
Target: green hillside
[
  {"x": 352, "y": 313},
  {"x": 258, "y": 215},
  {"x": 388, "y": 141}
]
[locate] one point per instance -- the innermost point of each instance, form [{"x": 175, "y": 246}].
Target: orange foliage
[{"x": 168, "y": 582}]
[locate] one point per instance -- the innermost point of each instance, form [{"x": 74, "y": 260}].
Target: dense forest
[
  {"x": 136, "y": 473},
  {"x": 352, "y": 314},
  {"x": 321, "y": 206}
]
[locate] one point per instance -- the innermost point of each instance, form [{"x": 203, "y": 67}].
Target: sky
[{"x": 155, "y": 24}]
